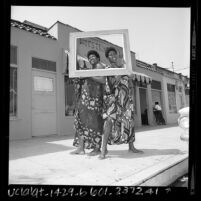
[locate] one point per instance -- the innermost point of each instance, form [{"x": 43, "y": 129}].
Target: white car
[{"x": 183, "y": 122}]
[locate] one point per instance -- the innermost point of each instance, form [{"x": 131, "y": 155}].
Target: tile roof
[{"x": 31, "y": 29}]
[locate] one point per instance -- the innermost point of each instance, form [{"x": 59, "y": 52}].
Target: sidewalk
[{"x": 47, "y": 160}]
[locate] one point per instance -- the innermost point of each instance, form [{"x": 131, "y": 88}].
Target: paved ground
[{"x": 48, "y": 160}]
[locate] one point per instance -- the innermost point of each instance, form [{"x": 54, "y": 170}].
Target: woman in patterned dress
[
  {"x": 118, "y": 111},
  {"x": 88, "y": 113}
]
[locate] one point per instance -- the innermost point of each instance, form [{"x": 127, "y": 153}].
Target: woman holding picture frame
[
  {"x": 118, "y": 112},
  {"x": 88, "y": 113}
]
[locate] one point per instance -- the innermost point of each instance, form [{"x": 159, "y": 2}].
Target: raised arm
[{"x": 99, "y": 79}]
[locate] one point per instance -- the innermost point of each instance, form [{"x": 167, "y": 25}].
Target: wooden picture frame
[{"x": 82, "y": 42}]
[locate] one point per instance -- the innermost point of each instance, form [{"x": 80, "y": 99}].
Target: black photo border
[{"x": 194, "y": 164}]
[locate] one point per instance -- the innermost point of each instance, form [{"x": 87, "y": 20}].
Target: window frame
[
  {"x": 16, "y": 66},
  {"x": 44, "y": 91},
  {"x": 43, "y": 60},
  {"x": 156, "y": 82},
  {"x": 65, "y": 97},
  {"x": 171, "y": 92}
]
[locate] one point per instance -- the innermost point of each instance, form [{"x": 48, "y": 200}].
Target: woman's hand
[{"x": 99, "y": 79}]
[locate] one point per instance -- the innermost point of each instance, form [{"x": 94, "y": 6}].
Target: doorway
[
  {"x": 43, "y": 103},
  {"x": 143, "y": 106}
]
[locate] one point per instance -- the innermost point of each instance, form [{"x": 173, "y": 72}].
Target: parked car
[{"x": 183, "y": 122}]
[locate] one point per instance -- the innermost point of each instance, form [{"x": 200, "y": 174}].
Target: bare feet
[
  {"x": 94, "y": 152},
  {"x": 78, "y": 151},
  {"x": 134, "y": 150},
  {"x": 103, "y": 154}
]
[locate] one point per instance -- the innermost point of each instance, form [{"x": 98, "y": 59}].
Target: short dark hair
[
  {"x": 108, "y": 49},
  {"x": 93, "y": 52},
  {"x": 156, "y": 102}
]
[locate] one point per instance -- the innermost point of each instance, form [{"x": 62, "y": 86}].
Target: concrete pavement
[{"x": 47, "y": 160}]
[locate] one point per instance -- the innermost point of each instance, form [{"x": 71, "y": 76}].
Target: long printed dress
[
  {"x": 88, "y": 113},
  {"x": 119, "y": 108}
]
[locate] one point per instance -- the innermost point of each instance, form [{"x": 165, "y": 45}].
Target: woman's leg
[
  {"x": 106, "y": 133},
  {"x": 94, "y": 152},
  {"x": 131, "y": 147},
  {"x": 80, "y": 149}
]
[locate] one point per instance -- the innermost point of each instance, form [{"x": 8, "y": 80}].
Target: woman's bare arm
[{"x": 99, "y": 79}]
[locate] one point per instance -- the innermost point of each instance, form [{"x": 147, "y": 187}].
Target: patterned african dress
[
  {"x": 119, "y": 108},
  {"x": 88, "y": 113}
]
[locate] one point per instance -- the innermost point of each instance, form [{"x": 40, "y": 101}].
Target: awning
[{"x": 140, "y": 77}]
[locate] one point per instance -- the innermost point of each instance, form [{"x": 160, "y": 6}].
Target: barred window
[
  {"x": 43, "y": 64},
  {"x": 172, "y": 98},
  {"x": 156, "y": 85},
  {"x": 181, "y": 101},
  {"x": 180, "y": 89},
  {"x": 13, "y": 55},
  {"x": 13, "y": 81},
  {"x": 187, "y": 91}
]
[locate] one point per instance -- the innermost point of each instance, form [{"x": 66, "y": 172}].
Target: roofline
[
  {"x": 172, "y": 71},
  {"x": 103, "y": 40},
  {"x": 163, "y": 69},
  {"x": 12, "y": 20},
  {"x": 30, "y": 25},
  {"x": 65, "y": 25},
  {"x": 79, "y": 31}
]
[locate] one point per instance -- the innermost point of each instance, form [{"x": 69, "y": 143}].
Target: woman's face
[
  {"x": 112, "y": 56},
  {"x": 93, "y": 59}
]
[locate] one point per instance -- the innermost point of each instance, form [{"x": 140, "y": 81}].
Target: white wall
[
  {"x": 28, "y": 45},
  {"x": 66, "y": 123}
]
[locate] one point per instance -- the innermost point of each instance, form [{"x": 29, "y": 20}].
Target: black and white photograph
[{"x": 99, "y": 96}]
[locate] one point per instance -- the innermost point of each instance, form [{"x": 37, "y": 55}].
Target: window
[
  {"x": 69, "y": 96},
  {"x": 172, "y": 98},
  {"x": 180, "y": 89},
  {"x": 156, "y": 85},
  {"x": 43, "y": 84},
  {"x": 43, "y": 64},
  {"x": 187, "y": 91},
  {"x": 156, "y": 92},
  {"x": 133, "y": 94},
  {"x": 181, "y": 101},
  {"x": 135, "y": 101},
  {"x": 13, "y": 81},
  {"x": 142, "y": 84},
  {"x": 156, "y": 97}
]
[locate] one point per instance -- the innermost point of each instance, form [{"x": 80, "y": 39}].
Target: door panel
[{"x": 43, "y": 103}]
